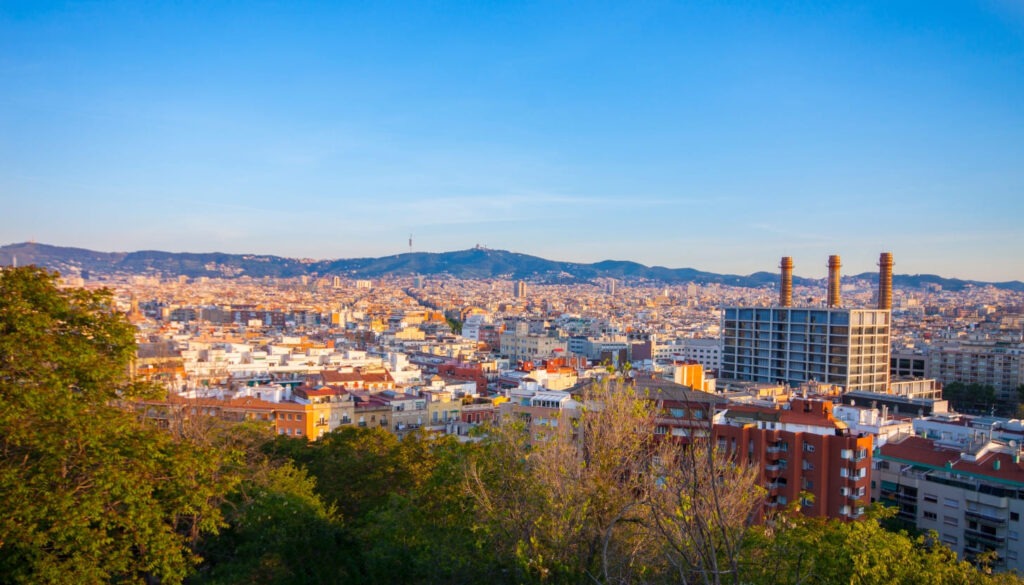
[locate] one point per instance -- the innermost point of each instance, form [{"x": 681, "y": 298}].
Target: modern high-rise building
[
  {"x": 794, "y": 345},
  {"x": 519, "y": 289},
  {"x": 844, "y": 347}
]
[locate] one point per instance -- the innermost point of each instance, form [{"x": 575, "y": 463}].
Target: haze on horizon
[{"x": 712, "y": 137}]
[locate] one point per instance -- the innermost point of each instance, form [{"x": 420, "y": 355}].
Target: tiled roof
[{"x": 927, "y": 452}]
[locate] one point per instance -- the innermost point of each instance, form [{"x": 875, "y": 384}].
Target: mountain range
[{"x": 473, "y": 263}]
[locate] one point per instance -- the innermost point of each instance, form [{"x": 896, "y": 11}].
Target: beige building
[
  {"x": 442, "y": 407},
  {"x": 521, "y": 346}
]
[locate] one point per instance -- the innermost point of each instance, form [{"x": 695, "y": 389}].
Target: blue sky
[{"x": 705, "y": 135}]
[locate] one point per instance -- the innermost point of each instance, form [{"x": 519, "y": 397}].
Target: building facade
[
  {"x": 844, "y": 347},
  {"x": 971, "y": 495},
  {"x": 996, "y": 364},
  {"x": 801, "y": 450}
]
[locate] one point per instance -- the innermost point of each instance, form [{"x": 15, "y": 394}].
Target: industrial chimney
[
  {"x": 786, "y": 288},
  {"x": 885, "y": 281},
  {"x": 833, "y": 281}
]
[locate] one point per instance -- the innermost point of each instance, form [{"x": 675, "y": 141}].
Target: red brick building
[{"x": 801, "y": 450}]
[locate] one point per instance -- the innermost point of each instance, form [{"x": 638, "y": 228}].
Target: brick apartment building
[{"x": 803, "y": 453}]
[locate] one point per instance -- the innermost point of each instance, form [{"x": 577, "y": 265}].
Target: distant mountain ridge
[{"x": 472, "y": 263}]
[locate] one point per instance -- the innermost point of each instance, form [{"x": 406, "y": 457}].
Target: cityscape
[
  {"x": 557, "y": 293},
  {"x": 841, "y": 389}
]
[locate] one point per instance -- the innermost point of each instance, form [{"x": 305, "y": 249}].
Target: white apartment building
[{"x": 971, "y": 495}]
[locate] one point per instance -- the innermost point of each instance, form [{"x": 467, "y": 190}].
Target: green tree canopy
[
  {"x": 970, "y": 398},
  {"x": 88, "y": 493}
]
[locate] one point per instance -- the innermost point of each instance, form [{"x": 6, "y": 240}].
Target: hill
[{"x": 472, "y": 263}]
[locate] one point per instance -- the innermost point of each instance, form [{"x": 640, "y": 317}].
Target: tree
[
  {"x": 971, "y": 398},
  {"x": 279, "y": 532},
  {"x": 430, "y": 533},
  {"x": 601, "y": 498},
  {"x": 796, "y": 549},
  {"x": 89, "y": 494},
  {"x": 357, "y": 469},
  {"x": 702, "y": 507},
  {"x": 455, "y": 325}
]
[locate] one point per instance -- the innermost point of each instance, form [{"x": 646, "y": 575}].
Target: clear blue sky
[{"x": 682, "y": 134}]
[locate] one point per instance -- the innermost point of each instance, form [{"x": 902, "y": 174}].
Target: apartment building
[
  {"x": 705, "y": 351},
  {"x": 286, "y": 418},
  {"x": 330, "y": 407},
  {"x": 971, "y": 494},
  {"x": 544, "y": 412},
  {"x": 844, "y": 347},
  {"x": 800, "y": 447},
  {"x": 520, "y": 346},
  {"x": 997, "y": 364}
]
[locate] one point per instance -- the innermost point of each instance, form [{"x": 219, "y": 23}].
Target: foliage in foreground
[{"x": 88, "y": 494}]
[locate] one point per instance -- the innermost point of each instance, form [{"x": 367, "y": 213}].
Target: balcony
[
  {"x": 905, "y": 497},
  {"x": 987, "y": 518},
  {"x": 984, "y": 537}
]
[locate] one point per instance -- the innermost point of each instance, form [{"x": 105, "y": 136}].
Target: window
[
  {"x": 808, "y": 447},
  {"x": 949, "y": 539},
  {"x": 1014, "y": 516},
  {"x": 950, "y": 521},
  {"x": 951, "y": 503},
  {"x": 931, "y": 498},
  {"x": 930, "y": 515}
]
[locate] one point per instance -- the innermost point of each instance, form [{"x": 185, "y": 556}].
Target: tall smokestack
[
  {"x": 885, "y": 281},
  {"x": 786, "y": 289},
  {"x": 833, "y": 281}
]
